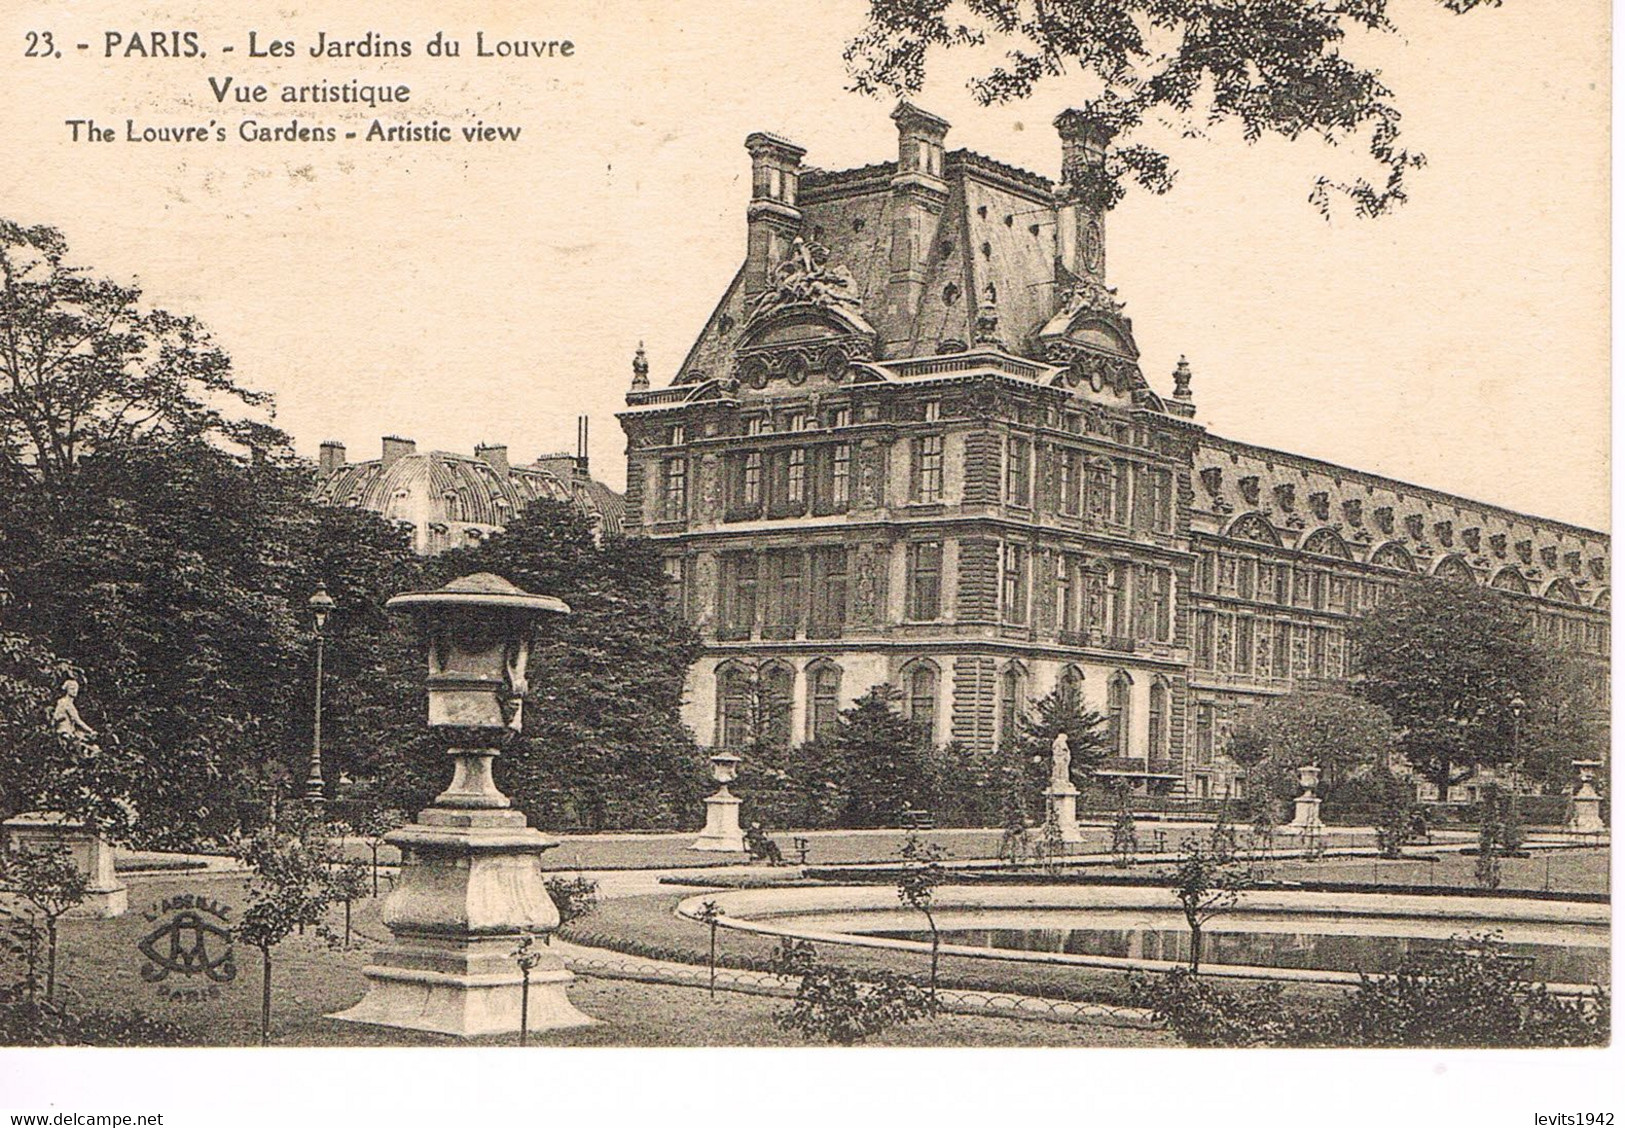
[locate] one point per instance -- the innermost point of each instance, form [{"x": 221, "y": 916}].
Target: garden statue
[
  {"x": 1062, "y": 797},
  {"x": 65, "y": 716},
  {"x": 1060, "y": 775}
]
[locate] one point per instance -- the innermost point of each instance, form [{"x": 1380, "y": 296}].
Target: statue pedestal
[
  {"x": 721, "y": 833},
  {"x": 471, "y": 886},
  {"x": 1063, "y": 812},
  {"x": 93, "y": 854},
  {"x": 1306, "y": 818}
]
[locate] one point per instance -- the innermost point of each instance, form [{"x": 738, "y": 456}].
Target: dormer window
[
  {"x": 840, "y": 416},
  {"x": 675, "y": 435},
  {"x": 933, "y": 411},
  {"x": 795, "y": 421},
  {"x": 754, "y": 425}
]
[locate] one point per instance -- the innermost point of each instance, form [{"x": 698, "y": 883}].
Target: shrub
[
  {"x": 573, "y": 897},
  {"x": 834, "y": 1004},
  {"x": 1471, "y": 993}
]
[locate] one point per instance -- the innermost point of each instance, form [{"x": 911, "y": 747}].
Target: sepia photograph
[{"x": 997, "y": 525}]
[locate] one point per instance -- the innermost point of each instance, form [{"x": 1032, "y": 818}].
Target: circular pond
[{"x": 1323, "y": 937}]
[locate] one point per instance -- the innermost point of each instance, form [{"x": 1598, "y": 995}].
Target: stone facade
[{"x": 913, "y": 444}]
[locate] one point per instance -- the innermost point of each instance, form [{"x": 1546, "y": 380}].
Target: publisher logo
[{"x": 189, "y": 954}]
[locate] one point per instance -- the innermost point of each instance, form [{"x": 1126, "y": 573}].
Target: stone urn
[
  {"x": 722, "y": 833},
  {"x": 472, "y": 884}
]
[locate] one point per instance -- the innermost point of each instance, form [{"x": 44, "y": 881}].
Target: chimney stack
[
  {"x": 494, "y": 455},
  {"x": 581, "y": 445},
  {"x": 395, "y": 449},
  {"x": 332, "y": 457},
  {"x": 773, "y": 218},
  {"x": 1081, "y": 228},
  {"x": 919, "y": 192}
]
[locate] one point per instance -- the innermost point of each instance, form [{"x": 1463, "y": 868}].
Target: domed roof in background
[{"x": 456, "y": 499}]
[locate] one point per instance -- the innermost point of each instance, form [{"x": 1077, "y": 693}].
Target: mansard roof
[{"x": 1299, "y": 496}]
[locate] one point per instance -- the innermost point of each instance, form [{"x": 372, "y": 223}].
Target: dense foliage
[
  {"x": 1447, "y": 663},
  {"x": 1279, "y": 67},
  {"x": 1337, "y": 732}
]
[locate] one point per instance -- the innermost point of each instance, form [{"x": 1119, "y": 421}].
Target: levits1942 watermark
[{"x": 193, "y": 941}]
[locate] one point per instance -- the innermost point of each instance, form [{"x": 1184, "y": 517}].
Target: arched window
[
  {"x": 1253, "y": 527},
  {"x": 920, "y": 696},
  {"x": 1509, "y": 579},
  {"x": 1455, "y": 570},
  {"x": 1326, "y": 542},
  {"x": 777, "y": 688},
  {"x": 733, "y": 706},
  {"x": 1071, "y": 683},
  {"x": 1562, "y": 591},
  {"x": 1012, "y": 699},
  {"x": 1119, "y": 715},
  {"x": 824, "y": 684},
  {"x": 1157, "y": 722},
  {"x": 1393, "y": 555}
]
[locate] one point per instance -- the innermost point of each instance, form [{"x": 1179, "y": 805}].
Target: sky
[{"x": 465, "y": 293}]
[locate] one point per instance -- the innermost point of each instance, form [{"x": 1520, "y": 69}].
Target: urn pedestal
[
  {"x": 41, "y": 830},
  {"x": 1586, "y": 818},
  {"x": 1063, "y": 812},
  {"x": 471, "y": 886},
  {"x": 1306, "y": 813},
  {"x": 722, "y": 833}
]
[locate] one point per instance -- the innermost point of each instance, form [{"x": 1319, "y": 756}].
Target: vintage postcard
[{"x": 883, "y": 523}]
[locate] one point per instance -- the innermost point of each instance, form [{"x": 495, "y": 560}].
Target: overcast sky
[{"x": 464, "y": 293}]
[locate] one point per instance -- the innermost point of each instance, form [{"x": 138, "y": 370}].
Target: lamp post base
[{"x": 471, "y": 888}]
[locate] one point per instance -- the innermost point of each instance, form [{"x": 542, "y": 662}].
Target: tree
[
  {"x": 1205, "y": 885},
  {"x": 845, "y": 1008},
  {"x": 86, "y": 369},
  {"x": 373, "y": 825},
  {"x": 1566, "y": 719},
  {"x": 1446, "y": 662},
  {"x": 1125, "y": 840},
  {"x": 347, "y": 882},
  {"x": 1340, "y": 733},
  {"x": 922, "y": 872},
  {"x": 604, "y": 741},
  {"x": 1396, "y": 814},
  {"x": 47, "y": 878},
  {"x": 710, "y": 914},
  {"x": 288, "y": 888},
  {"x": 1276, "y": 67},
  {"x": 528, "y": 957},
  {"x": 884, "y": 759}
]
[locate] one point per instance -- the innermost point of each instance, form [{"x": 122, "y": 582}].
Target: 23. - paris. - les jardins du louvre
[{"x": 913, "y": 445}]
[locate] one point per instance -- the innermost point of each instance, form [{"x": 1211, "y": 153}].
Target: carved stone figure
[
  {"x": 65, "y": 716},
  {"x": 1060, "y": 765}
]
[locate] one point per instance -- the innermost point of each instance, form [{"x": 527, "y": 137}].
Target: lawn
[{"x": 101, "y": 962}]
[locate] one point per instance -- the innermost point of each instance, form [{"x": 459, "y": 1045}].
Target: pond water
[{"x": 1578, "y": 963}]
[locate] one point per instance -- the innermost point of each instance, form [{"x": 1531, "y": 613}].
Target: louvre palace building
[{"x": 913, "y": 444}]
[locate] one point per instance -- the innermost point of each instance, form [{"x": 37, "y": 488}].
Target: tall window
[
  {"x": 825, "y": 687},
  {"x": 925, "y": 470},
  {"x": 925, "y": 580},
  {"x": 796, "y": 487},
  {"x": 1118, "y": 715},
  {"x": 674, "y": 506},
  {"x": 1245, "y": 585},
  {"x": 1157, "y": 722},
  {"x": 1244, "y": 644},
  {"x": 840, "y": 476},
  {"x": 1283, "y": 585},
  {"x": 1018, "y": 473},
  {"x": 1012, "y": 694},
  {"x": 1122, "y": 482},
  {"x": 1071, "y": 500},
  {"x": 921, "y": 686},
  {"x": 739, "y": 593},
  {"x": 783, "y": 583},
  {"x": 1117, "y": 599},
  {"x": 1066, "y": 595},
  {"x": 828, "y": 592},
  {"x": 1281, "y": 651},
  {"x": 1204, "y": 640},
  {"x": 1162, "y": 500},
  {"x": 676, "y": 569},
  {"x": 777, "y": 692},
  {"x": 1161, "y": 600},
  {"x": 1015, "y": 583},
  {"x": 733, "y": 707},
  {"x": 750, "y": 492},
  {"x": 1099, "y": 506}
]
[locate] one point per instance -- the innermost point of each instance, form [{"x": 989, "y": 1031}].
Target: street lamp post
[{"x": 321, "y": 605}]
